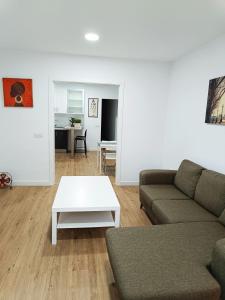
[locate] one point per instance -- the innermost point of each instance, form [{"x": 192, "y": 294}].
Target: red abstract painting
[{"x": 17, "y": 92}]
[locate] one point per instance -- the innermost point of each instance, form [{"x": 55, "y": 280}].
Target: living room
[{"x": 165, "y": 57}]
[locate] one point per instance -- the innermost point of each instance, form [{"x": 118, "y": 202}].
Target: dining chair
[{"x": 108, "y": 155}]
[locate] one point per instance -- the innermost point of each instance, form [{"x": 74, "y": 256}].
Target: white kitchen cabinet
[
  {"x": 60, "y": 103},
  {"x": 69, "y": 101},
  {"x": 75, "y": 102}
]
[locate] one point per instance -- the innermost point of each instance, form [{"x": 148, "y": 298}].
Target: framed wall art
[
  {"x": 17, "y": 92},
  {"x": 215, "y": 110},
  {"x": 93, "y": 107}
]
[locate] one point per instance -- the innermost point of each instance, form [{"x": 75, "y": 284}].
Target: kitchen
[{"x": 72, "y": 114}]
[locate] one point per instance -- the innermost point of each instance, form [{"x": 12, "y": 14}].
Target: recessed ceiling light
[{"x": 92, "y": 37}]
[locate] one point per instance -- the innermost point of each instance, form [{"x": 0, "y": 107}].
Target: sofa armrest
[
  {"x": 218, "y": 265},
  {"x": 157, "y": 177}
]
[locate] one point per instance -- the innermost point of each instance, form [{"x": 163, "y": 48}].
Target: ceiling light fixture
[{"x": 91, "y": 37}]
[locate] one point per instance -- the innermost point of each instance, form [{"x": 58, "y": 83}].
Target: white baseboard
[
  {"x": 31, "y": 183},
  {"x": 127, "y": 183},
  {"x": 48, "y": 183}
]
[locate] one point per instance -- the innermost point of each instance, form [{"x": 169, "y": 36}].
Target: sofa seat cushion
[
  {"x": 164, "y": 262},
  {"x": 187, "y": 177},
  {"x": 150, "y": 193},
  {"x": 175, "y": 211},
  {"x": 210, "y": 191}
]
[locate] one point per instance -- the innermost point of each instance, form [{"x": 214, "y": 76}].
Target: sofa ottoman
[{"x": 164, "y": 262}]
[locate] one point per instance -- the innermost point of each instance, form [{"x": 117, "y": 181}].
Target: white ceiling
[{"x": 142, "y": 29}]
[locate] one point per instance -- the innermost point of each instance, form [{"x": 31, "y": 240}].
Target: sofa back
[
  {"x": 187, "y": 177},
  {"x": 210, "y": 192}
]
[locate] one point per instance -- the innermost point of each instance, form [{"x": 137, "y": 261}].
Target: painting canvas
[
  {"x": 215, "y": 111},
  {"x": 17, "y": 92},
  {"x": 93, "y": 107}
]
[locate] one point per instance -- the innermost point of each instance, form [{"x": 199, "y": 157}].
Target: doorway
[
  {"x": 116, "y": 132},
  {"x": 109, "y": 119}
]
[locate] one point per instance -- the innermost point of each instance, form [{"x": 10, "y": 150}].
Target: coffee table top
[{"x": 85, "y": 193}]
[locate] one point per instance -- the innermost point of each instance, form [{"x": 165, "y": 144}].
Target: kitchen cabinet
[
  {"x": 69, "y": 101},
  {"x": 75, "y": 102},
  {"x": 60, "y": 142},
  {"x": 60, "y": 102},
  {"x": 61, "y": 139}
]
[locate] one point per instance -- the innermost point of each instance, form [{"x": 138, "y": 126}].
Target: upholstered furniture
[
  {"x": 191, "y": 194},
  {"x": 183, "y": 257}
]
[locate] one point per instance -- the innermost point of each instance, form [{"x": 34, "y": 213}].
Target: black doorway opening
[{"x": 109, "y": 119}]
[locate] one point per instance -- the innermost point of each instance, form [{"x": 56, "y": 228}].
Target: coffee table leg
[
  {"x": 54, "y": 228},
  {"x": 117, "y": 218}
]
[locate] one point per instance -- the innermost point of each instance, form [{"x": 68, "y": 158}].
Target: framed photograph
[
  {"x": 93, "y": 107},
  {"x": 215, "y": 110},
  {"x": 17, "y": 92}
]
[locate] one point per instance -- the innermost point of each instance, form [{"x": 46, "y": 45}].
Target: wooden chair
[{"x": 108, "y": 155}]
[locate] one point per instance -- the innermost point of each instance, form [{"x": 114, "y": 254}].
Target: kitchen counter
[
  {"x": 62, "y": 128},
  {"x": 68, "y": 128},
  {"x": 72, "y": 136}
]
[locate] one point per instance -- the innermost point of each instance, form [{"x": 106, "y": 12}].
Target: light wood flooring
[{"x": 78, "y": 267}]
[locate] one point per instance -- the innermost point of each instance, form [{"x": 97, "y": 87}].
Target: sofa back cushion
[
  {"x": 210, "y": 191},
  {"x": 187, "y": 177}
]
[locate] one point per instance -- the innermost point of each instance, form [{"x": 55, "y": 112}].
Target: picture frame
[
  {"x": 93, "y": 107},
  {"x": 215, "y": 110},
  {"x": 18, "y": 92}
]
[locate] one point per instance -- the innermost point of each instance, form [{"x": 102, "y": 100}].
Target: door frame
[{"x": 51, "y": 126}]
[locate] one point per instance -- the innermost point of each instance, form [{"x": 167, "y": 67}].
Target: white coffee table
[{"x": 84, "y": 202}]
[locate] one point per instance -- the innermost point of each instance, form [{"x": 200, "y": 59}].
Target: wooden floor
[{"x": 78, "y": 267}]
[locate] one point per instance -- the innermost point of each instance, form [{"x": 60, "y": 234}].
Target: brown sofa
[{"x": 185, "y": 257}]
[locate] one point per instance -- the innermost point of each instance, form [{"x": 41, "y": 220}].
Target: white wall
[
  {"x": 93, "y": 125},
  {"x": 186, "y": 134},
  {"x": 24, "y": 134}
]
